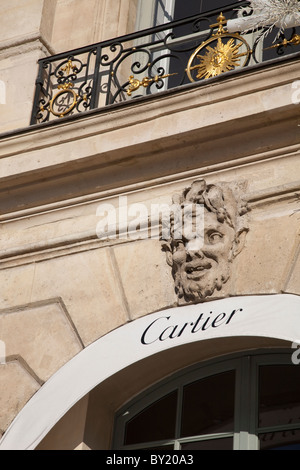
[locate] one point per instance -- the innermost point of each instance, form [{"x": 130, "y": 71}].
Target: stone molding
[
  {"x": 256, "y": 88},
  {"x": 25, "y": 44},
  {"x": 21, "y": 252}
]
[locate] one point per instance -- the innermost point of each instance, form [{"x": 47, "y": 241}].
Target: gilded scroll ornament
[
  {"x": 65, "y": 100},
  {"x": 135, "y": 83},
  {"x": 65, "y": 95},
  {"x": 294, "y": 41}
]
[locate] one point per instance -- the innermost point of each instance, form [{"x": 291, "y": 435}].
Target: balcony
[{"x": 185, "y": 53}]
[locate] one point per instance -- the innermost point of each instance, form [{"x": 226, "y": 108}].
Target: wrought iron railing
[{"x": 150, "y": 61}]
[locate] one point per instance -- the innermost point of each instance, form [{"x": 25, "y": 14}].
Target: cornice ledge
[
  {"x": 25, "y": 40},
  {"x": 99, "y": 139},
  {"x": 81, "y": 241},
  {"x": 143, "y": 110}
]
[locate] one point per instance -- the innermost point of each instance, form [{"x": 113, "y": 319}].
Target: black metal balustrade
[{"x": 191, "y": 50}]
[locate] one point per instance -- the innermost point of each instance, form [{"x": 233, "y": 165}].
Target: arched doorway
[
  {"x": 141, "y": 353},
  {"x": 248, "y": 401}
]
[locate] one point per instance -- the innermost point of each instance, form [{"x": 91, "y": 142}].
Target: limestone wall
[
  {"x": 35, "y": 29},
  {"x": 61, "y": 287}
]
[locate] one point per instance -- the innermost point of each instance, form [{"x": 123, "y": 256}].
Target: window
[
  {"x": 246, "y": 402},
  {"x": 157, "y": 12},
  {"x": 192, "y": 7}
]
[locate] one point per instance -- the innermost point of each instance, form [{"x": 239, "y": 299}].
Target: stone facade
[{"x": 61, "y": 287}]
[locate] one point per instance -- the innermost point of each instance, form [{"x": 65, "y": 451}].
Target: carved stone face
[
  {"x": 199, "y": 271},
  {"x": 201, "y": 263}
]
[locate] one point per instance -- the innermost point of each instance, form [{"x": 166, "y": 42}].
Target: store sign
[
  {"x": 255, "y": 316},
  {"x": 164, "y": 328},
  {"x": 275, "y": 317}
]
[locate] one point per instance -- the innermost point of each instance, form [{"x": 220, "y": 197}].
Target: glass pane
[
  {"x": 208, "y": 405},
  {"x": 193, "y": 7},
  {"x": 213, "y": 444},
  {"x": 208, "y": 5},
  {"x": 155, "y": 423},
  {"x": 279, "y": 395},
  {"x": 282, "y": 440}
]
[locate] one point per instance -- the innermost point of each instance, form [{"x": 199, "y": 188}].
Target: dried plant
[{"x": 282, "y": 14}]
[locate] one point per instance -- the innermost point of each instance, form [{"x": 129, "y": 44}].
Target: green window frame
[{"x": 246, "y": 432}]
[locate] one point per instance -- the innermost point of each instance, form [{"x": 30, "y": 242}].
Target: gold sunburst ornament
[
  {"x": 221, "y": 53},
  {"x": 220, "y": 59}
]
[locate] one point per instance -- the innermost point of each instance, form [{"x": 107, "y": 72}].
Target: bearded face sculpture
[{"x": 212, "y": 235}]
